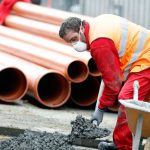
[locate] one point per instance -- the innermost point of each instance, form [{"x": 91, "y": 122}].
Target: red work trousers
[{"x": 122, "y": 135}]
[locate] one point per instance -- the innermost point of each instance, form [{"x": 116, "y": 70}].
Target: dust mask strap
[
  {"x": 79, "y": 45},
  {"x": 80, "y": 30}
]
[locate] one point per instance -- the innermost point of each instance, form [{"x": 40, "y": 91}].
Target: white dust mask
[{"x": 79, "y": 45}]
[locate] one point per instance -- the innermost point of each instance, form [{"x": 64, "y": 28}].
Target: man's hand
[{"x": 97, "y": 116}]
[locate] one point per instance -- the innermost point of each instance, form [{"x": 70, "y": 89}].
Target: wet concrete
[
  {"x": 83, "y": 128},
  {"x": 37, "y": 141},
  {"x": 29, "y": 140}
]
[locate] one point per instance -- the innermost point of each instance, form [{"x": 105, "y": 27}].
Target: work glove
[{"x": 97, "y": 116}]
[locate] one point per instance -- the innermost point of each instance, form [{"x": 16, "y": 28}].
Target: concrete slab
[{"x": 26, "y": 116}]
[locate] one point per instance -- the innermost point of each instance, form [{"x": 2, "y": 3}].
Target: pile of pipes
[{"x": 35, "y": 61}]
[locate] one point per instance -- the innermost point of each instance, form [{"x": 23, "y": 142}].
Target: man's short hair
[{"x": 72, "y": 23}]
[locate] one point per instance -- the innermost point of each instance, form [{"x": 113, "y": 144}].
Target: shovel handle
[
  {"x": 135, "y": 90},
  {"x": 101, "y": 89}
]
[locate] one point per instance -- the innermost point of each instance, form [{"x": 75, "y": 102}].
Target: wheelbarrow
[{"x": 138, "y": 116}]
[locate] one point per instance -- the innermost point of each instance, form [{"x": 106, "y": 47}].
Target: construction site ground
[{"x": 15, "y": 118}]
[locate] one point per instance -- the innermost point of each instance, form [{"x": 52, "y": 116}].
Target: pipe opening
[
  {"x": 77, "y": 71},
  {"x": 53, "y": 90},
  {"x": 13, "y": 84},
  {"x": 93, "y": 70},
  {"x": 86, "y": 92}
]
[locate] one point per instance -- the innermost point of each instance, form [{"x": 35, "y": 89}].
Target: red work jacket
[{"x": 106, "y": 57}]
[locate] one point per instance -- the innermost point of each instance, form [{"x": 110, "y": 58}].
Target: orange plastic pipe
[
  {"x": 73, "y": 69},
  {"x": 85, "y": 93},
  {"x": 45, "y": 30},
  {"x": 13, "y": 83},
  {"x": 49, "y": 87},
  {"x": 44, "y": 14},
  {"x": 51, "y": 45},
  {"x": 35, "y": 27}
]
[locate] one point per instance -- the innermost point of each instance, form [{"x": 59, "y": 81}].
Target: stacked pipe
[
  {"x": 40, "y": 13},
  {"x": 13, "y": 83},
  {"x": 45, "y": 22},
  {"x": 51, "y": 45},
  {"x": 48, "y": 86},
  {"x": 53, "y": 69}
]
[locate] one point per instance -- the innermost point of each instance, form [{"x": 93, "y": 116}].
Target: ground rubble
[{"x": 81, "y": 128}]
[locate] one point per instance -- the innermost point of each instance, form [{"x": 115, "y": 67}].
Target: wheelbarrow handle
[{"x": 135, "y": 90}]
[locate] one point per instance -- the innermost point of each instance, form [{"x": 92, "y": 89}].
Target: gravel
[
  {"x": 30, "y": 140},
  {"x": 83, "y": 128}
]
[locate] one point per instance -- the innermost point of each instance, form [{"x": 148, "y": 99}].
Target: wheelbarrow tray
[{"x": 135, "y": 108}]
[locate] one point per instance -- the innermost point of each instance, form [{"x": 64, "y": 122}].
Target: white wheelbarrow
[{"x": 138, "y": 116}]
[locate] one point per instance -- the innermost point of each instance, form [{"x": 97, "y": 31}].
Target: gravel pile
[
  {"x": 29, "y": 140},
  {"x": 37, "y": 141},
  {"x": 83, "y": 128}
]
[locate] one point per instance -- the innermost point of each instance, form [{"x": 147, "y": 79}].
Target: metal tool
[{"x": 137, "y": 137}]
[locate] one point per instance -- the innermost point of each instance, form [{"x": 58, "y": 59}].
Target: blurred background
[{"x": 135, "y": 10}]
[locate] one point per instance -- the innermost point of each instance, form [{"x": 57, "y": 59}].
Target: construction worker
[{"x": 121, "y": 50}]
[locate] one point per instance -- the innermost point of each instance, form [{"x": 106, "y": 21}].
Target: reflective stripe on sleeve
[
  {"x": 137, "y": 52},
  {"x": 124, "y": 37}
]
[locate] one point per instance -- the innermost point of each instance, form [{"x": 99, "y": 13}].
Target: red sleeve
[{"x": 106, "y": 57}]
